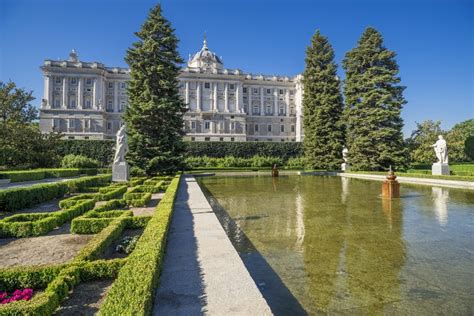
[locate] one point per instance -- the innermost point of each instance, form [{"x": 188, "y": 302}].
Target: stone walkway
[
  {"x": 203, "y": 273},
  {"x": 28, "y": 183}
]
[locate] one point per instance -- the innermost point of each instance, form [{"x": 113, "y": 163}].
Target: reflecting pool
[{"x": 332, "y": 245}]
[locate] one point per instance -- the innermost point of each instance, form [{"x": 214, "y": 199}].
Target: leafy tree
[
  {"x": 457, "y": 139},
  {"x": 420, "y": 141},
  {"x": 374, "y": 100},
  {"x": 322, "y": 106},
  {"x": 21, "y": 142},
  {"x": 154, "y": 117}
]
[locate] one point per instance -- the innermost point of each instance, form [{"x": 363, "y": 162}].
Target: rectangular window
[
  {"x": 292, "y": 92},
  {"x": 193, "y": 138},
  {"x": 57, "y": 103},
  {"x": 56, "y": 124},
  {"x": 269, "y": 128},
  {"x": 193, "y": 124},
  {"x": 72, "y": 103},
  {"x": 71, "y": 123},
  {"x": 281, "y": 91},
  {"x": 88, "y": 104},
  {"x": 231, "y": 87},
  {"x": 207, "y": 139},
  {"x": 269, "y": 91},
  {"x": 255, "y": 91},
  {"x": 109, "y": 125},
  {"x": 221, "y": 139},
  {"x": 73, "y": 80},
  {"x": 207, "y": 125},
  {"x": 232, "y": 139},
  {"x": 232, "y": 125},
  {"x": 110, "y": 106},
  {"x": 57, "y": 79},
  {"x": 256, "y": 127},
  {"x": 88, "y": 81},
  {"x": 111, "y": 84},
  {"x": 87, "y": 124},
  {"x": 207, "y": 85},
  {"x": 244, "y": 90},
  {"x": 122, "y": 85},
  {"x": 282, "y": 128},
  {"x": 292, "y": 128}
]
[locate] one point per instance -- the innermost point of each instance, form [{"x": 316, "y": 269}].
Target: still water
[{"x": 331, "y": 245}]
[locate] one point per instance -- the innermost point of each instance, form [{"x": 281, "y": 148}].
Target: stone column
[
  {"x": 214, "y": 103},
  {"x": 48, "y": 91},
  {"x": 186, "y": 97},
  {"x": 226, "y": 97},
  {"x": 262, "y": 103},
  {"x": 116, "y": 96},
  {"x": 275, "y": 101},
  {"x": 80, "y": 93},
  {"x": 95, "y": 95},
  {"x": 239, "y": 102},
  {"x": 65, "y": 92},
  {"x": 249, "y": 100},
  {"x": 198, "y": 96},
  {"x": 287, "y": 100}
]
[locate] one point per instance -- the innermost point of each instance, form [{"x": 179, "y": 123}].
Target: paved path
[
  {"x": 425, "y": 181},
  {"x": 28, "y": 183},
  {"x": 203, "y": 273}
]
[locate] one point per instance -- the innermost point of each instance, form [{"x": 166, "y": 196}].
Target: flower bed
[{"x": 17, "y": 295}]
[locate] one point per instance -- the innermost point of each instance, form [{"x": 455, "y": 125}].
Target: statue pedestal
[
  {"x": 440, "y": 169},
  {"x": 345, "y": 166},
  {"x": 120, "y": 172}
]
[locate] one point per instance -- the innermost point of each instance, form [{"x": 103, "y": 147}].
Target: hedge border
[
  {"x": 133, "y": 290},
  {"x": 39, "y": 174}
]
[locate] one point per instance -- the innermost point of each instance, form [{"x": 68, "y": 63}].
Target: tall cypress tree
[
  {"x": 322, "y": 106},
  {"x": 154, "y": 116},
  {"x": 374, "y": 100}
]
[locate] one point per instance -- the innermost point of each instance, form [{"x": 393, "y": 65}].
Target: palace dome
[{"x": 205, "y": 59}]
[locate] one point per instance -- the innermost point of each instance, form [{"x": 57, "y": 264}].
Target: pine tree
[
  {"x": 154, "y": 117},
  {"x": 374, "y": 100},
  {"x": 322, "y": 107}
]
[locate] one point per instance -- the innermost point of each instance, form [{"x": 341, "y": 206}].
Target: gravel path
[
  {"x": 150, "y": 208},
  {"x": 58, "y": 246}
]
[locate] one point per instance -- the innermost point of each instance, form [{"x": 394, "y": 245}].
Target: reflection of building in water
[
  {"x": 299, "y": 227},
  {"x": 345, "y": 189},
  {"x": 440, "y": 203}
]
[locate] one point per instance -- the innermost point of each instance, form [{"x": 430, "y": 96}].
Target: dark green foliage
[
  {"x": 21, "y": 142},
  {"x": 374, "y": 100},
  {"x": 133, "y": 290},
  {"x": 149, "y": 187},
  {"x": 18, "y": 198},
  {"x": 154, "y": 116},
  {"x": 232, "y": 162},
  {"x": 100, "y": 150},
  {"x": 420, "y": 141},
  {"x": 137, "y": 221},
  {"x": 28, "y": 277},
  {"x": 78, "y": 161},
  {"x": 283, "y": 151},
  {"x": 457, "y": 138},
  {"x": 469, "y": 147},
  {"x": 322, "y": 107},
  {"x": 113, "y": 193},
  {"x": 81, "y": 184}
]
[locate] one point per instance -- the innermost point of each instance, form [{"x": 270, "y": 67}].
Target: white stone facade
[{"x": 85, "y": 100}]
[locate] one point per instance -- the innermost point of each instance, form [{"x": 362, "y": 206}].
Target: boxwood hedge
[{"x": 133, "y": 290}]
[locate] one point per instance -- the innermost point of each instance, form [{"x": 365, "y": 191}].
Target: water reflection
[
  {"x": 341, "y": 248},
  {"x": 440, "y": 204}
]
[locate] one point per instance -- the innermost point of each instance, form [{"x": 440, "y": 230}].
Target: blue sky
[{"x": 434, "y": 40}]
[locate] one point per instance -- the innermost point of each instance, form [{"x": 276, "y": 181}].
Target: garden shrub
[
  {"x": 81, "y": 184},
  {"x": 100, "y": 150},
  {"x": 18, "y": 198},
  {"x": 133, "y": 291},
  {"x": 137, "y": 199},
  {"x": 36, "y": 224},
  {"x": 23, "y": 175},
  {"x": 78, "y": 161}
]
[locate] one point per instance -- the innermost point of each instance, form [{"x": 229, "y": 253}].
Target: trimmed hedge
[
  {"x": 39, "y": 174},
  {"x": 81, "y": 184},
  {"x": 36, "y": 224},
  {"x": 18, "y": 198},
  {"x": 94, "y": 222},
  {"x": 100, "y": 150},
  {"x": 137, "y": 199},
  {"x": 133, "y": 290},
  {"x": 284, "y": 150},
  {"x": 151, "y": 187},
  {"x": 57, "y": 282}
]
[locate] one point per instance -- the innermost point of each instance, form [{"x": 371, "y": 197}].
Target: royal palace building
[{"x": 85, "y": 100}]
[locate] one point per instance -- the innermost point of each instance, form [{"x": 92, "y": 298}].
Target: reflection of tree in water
[
  {"x": 325, "y": 233},
  {"x": 353, "y": 252}
]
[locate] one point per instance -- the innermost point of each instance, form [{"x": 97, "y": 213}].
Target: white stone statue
[
  {"x": 120, "y": 171},
  {"x": 441, "y": 150},
  {"x": 121, "y": 146},
  {"x": 345, "y": 165}
]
